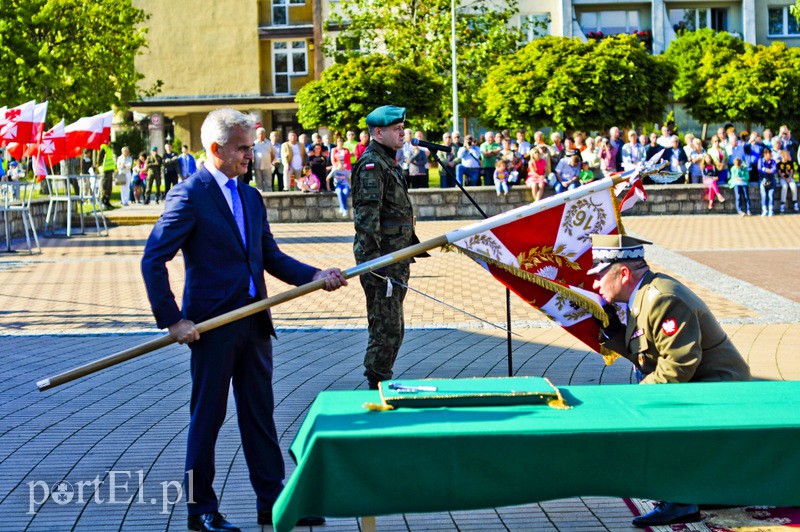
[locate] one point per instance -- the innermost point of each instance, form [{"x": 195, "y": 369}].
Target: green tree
[
  {"x": 347, "y": 92},
  {"x": 568, "y": 84},
  {"x": 77, "y": 55},
  {"x": 699, "y": 57},
  {"x": 762, "y": 85},
  {"x": 419, "y": 33}
]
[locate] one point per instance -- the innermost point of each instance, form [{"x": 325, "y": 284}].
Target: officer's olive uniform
[
  {"x": 384, "y": 222},
  {"x": 153, "y": 163},
  {"x": 672, "y": 336}
]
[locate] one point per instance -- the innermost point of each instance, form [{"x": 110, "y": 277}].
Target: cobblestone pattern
[{"x": 83, "y": 299}]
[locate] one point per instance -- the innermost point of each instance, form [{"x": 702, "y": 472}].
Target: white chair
[
  {"x": 60, "y": 192},
  {"x": 17, "y": 197}
]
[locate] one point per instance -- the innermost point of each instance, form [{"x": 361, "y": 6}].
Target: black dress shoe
[
  {"x": 668, "y": 513},
  {"x": 211, "y": 522},
  {"x": 265, "y": 518}
]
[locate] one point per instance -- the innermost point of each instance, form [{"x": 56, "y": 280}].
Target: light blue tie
[{"x": 238, "y": 215}]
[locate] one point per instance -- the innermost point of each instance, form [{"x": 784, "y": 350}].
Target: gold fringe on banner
[{"x": 586, "y": 304}]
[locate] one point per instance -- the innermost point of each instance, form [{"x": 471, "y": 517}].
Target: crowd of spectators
[{"x": 731, "y": 158}]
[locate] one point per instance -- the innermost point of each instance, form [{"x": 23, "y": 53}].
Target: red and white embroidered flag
[
  {"x": 18, "y": 123},
  {"x": 544, "y": 257}
]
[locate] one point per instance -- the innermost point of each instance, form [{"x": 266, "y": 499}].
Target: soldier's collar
[{"x": 390, "y": 153}]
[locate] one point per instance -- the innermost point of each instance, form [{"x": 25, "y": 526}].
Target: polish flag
[
  {"x": 39, "y": 116},
  {"x": 18, "y": 123},
  {"x": 634, "y": 195},
  {"x": 105, "y": 135},
  {"x": 83, "y": 134}
]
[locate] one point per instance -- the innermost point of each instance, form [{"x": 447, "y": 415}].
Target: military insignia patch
[
  {"x": 637, "y": 333},
  {"x": 369, "y": 166},
  {"x": 669, "y": 326},
  {"x": 641, "y": 360}
]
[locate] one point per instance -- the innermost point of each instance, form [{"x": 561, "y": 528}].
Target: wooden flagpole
[{"x": 380, "y": 262}]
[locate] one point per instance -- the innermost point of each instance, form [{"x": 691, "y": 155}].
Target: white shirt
[
  {"x": 262, "y": 150},
  {"x": 297, "y": 159},
  {"x": 221, "y": 179}
]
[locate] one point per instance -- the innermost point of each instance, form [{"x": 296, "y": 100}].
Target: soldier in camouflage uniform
[{"x": 384, "y": 222}]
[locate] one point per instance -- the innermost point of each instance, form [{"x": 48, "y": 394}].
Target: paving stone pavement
[{"x": 83, "y": 299}]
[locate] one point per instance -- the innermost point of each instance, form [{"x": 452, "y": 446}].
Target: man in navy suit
[{"x": 221, "y": 227}]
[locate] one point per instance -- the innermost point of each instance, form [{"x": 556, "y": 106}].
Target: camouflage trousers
[{"x": 385, "y": 318}]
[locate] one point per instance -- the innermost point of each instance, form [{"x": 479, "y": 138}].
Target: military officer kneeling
[{"x": 670, "y": 336}]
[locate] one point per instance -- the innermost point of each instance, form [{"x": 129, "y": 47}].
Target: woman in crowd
[
  {"x": 319, "y": 164},
  {"x": 139, "y": 177},
  {"x": 124, "y": 168},
  {"x": 339, "y": 180},
  {"x": 786, "y": 179},
  {"x": 696, "y": 158},
  {"x": 591, "y": 157},
  {"x": 340, "y": 153},
  {"x": 720, "y": 158},
  {"x": 608, "y": 156}
]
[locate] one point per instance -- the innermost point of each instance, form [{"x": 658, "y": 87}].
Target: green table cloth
[{"x": 722, "y": 443}]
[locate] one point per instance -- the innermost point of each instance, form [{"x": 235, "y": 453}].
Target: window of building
[
  {"x": 289, "y": 58},
  {"x": 695, "y": 19},
  {"x": 280, "y": 13},
  {"x": 782, "y": 22},
  {"x": 609, "y": 22},
  {"x": 537, "y": 25}
]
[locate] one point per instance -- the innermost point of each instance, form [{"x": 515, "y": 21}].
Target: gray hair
[{"x": 219, "y": 123}]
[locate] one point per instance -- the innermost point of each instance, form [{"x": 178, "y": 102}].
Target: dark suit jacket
[{"x": 198, "y": 221}]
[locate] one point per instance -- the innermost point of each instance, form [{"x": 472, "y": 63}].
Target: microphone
[{"x": 430, "y": 145}]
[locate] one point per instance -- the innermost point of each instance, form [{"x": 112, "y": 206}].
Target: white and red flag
[
  {"x": 53, "y": 147},
  {"x": 544, "y": 257},
  {"x": 39, "y": 117},
  {"x": 18, "y": 123},
  {"x": 88, "y": 132}
]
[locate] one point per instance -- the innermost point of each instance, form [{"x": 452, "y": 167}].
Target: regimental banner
[{"x": 543, "y": 258}]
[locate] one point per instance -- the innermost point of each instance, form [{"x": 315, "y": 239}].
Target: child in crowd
[
  {"x": 586, "y": 175},
  {"x": 710, "y": 178},
  {"x": 537, "y": 174},
  {"x": 500, "y": 177},
  {"x": 786, "y": 179},
  {"x": 739, "y": 178},
  {"x": 767, "y": 168},
  {"x": 339, "y": 176},
  {"x": 308, "y": 181}
]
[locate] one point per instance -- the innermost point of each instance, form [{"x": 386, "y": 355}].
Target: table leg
[{"x": 368, "y": 524}]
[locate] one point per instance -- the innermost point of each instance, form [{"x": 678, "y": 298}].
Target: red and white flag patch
[
  {"x": 669, "y": 326},
  {"x": 369, "y": 166}
]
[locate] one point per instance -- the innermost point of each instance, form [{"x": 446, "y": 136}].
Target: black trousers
[{"x": 240, "y": 352}]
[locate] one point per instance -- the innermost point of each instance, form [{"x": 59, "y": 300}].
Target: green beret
[
  {"x": 386, "y": 116},
  {"x": 608, "y": 249}
]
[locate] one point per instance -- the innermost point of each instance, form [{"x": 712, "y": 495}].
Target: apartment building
[
  {"x": 755, "y": 21},
  {"x": 253, "y": 55}
]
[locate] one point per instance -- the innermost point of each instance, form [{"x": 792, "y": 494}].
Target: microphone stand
[{"x": 451, "y": 175}]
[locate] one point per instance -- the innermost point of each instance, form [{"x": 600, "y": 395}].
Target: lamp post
[{"x": 455, "y": 68}]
